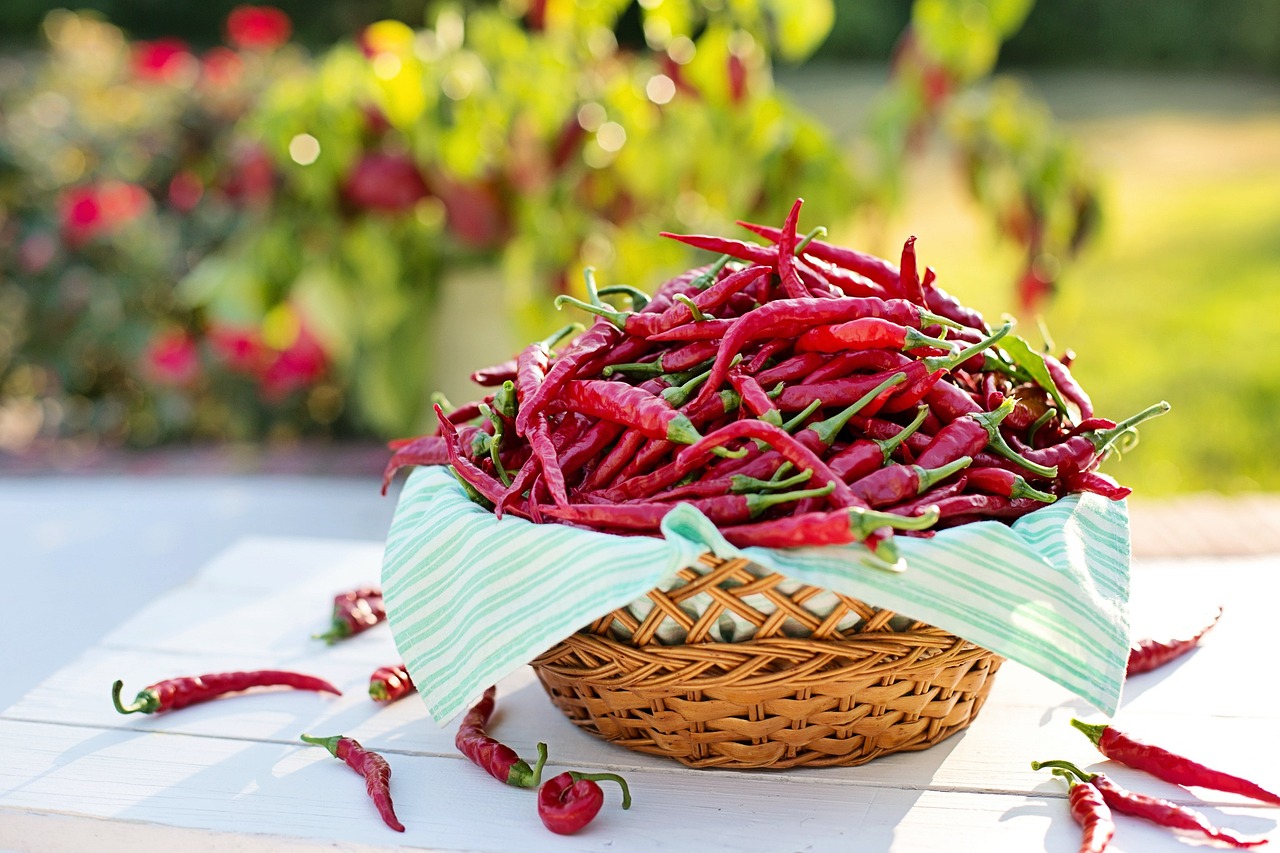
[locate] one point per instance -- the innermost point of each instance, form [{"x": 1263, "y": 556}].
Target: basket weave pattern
[{"x": 860, "y": 683}]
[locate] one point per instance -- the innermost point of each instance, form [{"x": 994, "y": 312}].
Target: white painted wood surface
[{"x": 231, "y": 774}]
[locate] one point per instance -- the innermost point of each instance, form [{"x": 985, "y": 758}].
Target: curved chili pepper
[
  {"x": 390, "y": 683},
  {"x": 754, "y": 397},
  {"x": 833, "y": 527},
  {"x": 1090, "y": 810},
  {"x": 842, "y": 364},
  {"x": 627, "y": 404},
  {"x": 870, "y": 333},
  {"x": 876, "y": 270},
  {"x": 867, "y": 455},
  {"x": 647, "y": 516},
  {"x": 495, "y": 375},
  {"x": 600, "y": 337},
  {"x": 820, "y": 435},
  {"x": 1169, "y": 766},
  {"x": 1159, "y": 811},
  {"x": 796, "y": 367},
  {"x": 173, "y": 694},
  {"x": 570, "y": 801},
  {"x": 1072, "y": 479},
  {"x": 496, "y": 759},
  {"x": 686, "y": 357},
  {"x": 423, "y": 450},
  {"x": 788, "y": 278},
  {"x": 707, "y": 330},
  {"x": 896, "y": 483},
  {"x": 908, "y": 278},
  {"x": 371, "y": 766},
  {"x": 354, "y": 612},
  {"x": 1067, "y": 385},
  {"x": 1148, "y": 654},
  {"x": 1082, "y": 448},
  {"x": 1005, "y": 483}
]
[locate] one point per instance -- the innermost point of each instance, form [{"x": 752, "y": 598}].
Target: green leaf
[
  {"x": 1032, "y": 362},
  {"x": 801, "y": 26}
]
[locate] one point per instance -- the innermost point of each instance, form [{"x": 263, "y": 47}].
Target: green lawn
[{"x": 1179, "y": 296}]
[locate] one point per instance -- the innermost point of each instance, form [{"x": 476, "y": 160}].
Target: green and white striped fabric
[{"x": 471, "y": 598}]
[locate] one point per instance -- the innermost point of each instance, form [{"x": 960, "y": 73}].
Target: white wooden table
[{"x": 232, "y": 775}]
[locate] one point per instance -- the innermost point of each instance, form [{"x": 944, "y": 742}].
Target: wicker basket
[{"x": 837, "y": 687}]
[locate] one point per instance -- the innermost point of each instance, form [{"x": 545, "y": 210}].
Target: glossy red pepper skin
[
  {"x": 643, "y": 412},
  {"x": 599, "y": 338},
  {"x": 1159, "y": 811},
  {"x": 908, "y": 277},
  {"x": 1169, "y": 766},
  {"x": 388, "y": 684},
  {"x": 498, "y": 760},
  {"x": 173, "y": 694},
  {"x": 788, "y": 277},
  {"x": 1148, "y": 653},
  {"x": 874, "y": 269},
  {"x": 371, "y": 766},
  {"x": 1090, "y": 810},
  {"x": 354, "y": 612},
  {"x": 570, "y": 801}
]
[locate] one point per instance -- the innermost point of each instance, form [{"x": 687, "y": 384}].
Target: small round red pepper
[{"x": 570, "y": 801}]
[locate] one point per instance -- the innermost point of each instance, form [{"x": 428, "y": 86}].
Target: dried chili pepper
[
  {"x": 570, "y": 801},
  {"x": 354, "y": 612},
  {"x": 496, "y": 759},
  {"x": 389, "y": 683},
  {"x": 371, "y": 766},
  {"x": 788, "y": 277},
  {"x": 1166, "y": 765},
  {"x": 424, "y": 450},
  {"x": 173, "y": 694},
  {"x": 1148, "y": 653},
  {"x": 1091, "y": 811},
  {"x": 1159, "y": 811}
]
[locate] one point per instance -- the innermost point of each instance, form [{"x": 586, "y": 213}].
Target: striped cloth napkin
[{"x": 470, "y": 598}]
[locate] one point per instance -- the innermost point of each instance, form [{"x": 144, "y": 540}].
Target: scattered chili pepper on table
[
  {"x": 1159, "y": 811},
  {"x": 354, "y": 612},
  {"x": 175, "y": 693},
  {"x": 1148, "y": 654},
  {"x": 1090, "y": 810},
  {"x": 498, "y": 760},
  {"x": 371, "y": 766},
  {"x": 389, "y": 683},
  {"x": 1166, "y": 765},
  {"x": 570, "y": 801}
]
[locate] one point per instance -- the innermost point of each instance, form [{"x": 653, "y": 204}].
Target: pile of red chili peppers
[{"x": 796, "y": 392}]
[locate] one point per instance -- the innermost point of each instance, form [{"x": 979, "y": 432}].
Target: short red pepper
[
  {"x": 570, "y": 801},
  {"x": 498, "y": 760}
]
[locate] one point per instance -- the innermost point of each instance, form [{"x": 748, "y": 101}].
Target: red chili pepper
[
  {"x": 1005, "y": 483},
  {"x": 833, "y": 527},
  {"x": 599, "y": 338},
  {"x": 1082, "y": 449},
  {"x": 896, "y": 483},
  {"x": 175, "y": 693},
  {"x": 1169, "y": 766},
  {"x": 471, "y": 475},
  {"x": 1068, "y": 386},
  {"x": 647, "y": 516},
  {"x": 820, "y": 435},
  {"x": 1090, "y": 810},
  {"x": 496, "y": 375},
  {"x": 842, "y": 364},
  {"x": 371, "y": 766},
  {"x": 354, "y": 612},
  {"x": 703, "y": 330},
  {"x": 788, "y": 278},
  {"x": 754, "y": 398},
  {"x": 875, "y": 269},
  {"x": 867, "y": 455},
  {"x": 1154, "y": 809},
  {"x": 389, "y": 683},
  {"x": 424, "y": 450},
  {"x": 1148, "y": 654},
  {"x": 871, "y": 333},
  {"x": 908, "y": 278},
  {"x": 1072, "y": 479},
  {"x": 948, "y": 306},
  {"x": 792, "y": 369},
  {"x": 570, "y": 801},
  {"x": 627, "y": 404},
  {"x": 496, "y": 759}
]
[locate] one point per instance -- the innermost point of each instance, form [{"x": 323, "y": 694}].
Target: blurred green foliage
[{"x": 250, "y": 241}]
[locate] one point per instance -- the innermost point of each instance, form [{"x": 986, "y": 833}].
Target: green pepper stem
[
  {"x": 589, "y": 279},
  {"x": 1063, "y": 765},
  {"x": 928, "y": 318},
  {"x": 707, "y": 278},
  {"x": 863, "y": 521},
  {"x": 560, "y": 334},
  {"x": 950, "y": 362},
  {"x": 606, "y": 777},
  {"x": 698, "y": 315},
  {"x": 888, "y": 445},
  {"x": 1105, "y": 438},
  {"x": 757, "y": 504},
  {"x": 521, "y": 775},
  {"x": 437, "y": 398},
  {"x": 682, "y": 431},
  {"x": 1093, "y": 731},
  {"x": 146, "y": 702},
  {"x": 740, "y": 483},
  {"x": 916, "y": 339},
  {"x": 329, "y": 743},
  {"x": 802, "y": 416},
  {"x": 929, "y": 476},
  {"x": 639, "y": 299},
  {"x": 816, "y": 234},
  {"x": 339, "y": 631},
  {"x": 617, "y": 318},
  {"x": 1002, "y": 448},
  {"x": 504, "y": 400},
  {"x": 828, "y": 429},
  {"x": 1023, "y": 489},
  {"x": 637, "y": 368}
]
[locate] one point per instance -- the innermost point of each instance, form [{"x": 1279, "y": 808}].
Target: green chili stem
[
  {"x": 740, "y": 483},
  {"x": 802, "y": 415},
  {"x": 1063, "y": 765},
  {"x": 757, "y": 504},
  {"x": 698, "y": 315},
  {"x": 929, "y": 476},
  {"x": 816, "y": 234},
  {"x": 708, "y": 278},
  {"x": 617, "y": 318},
  {"x": 329, "y": 743},
  {"x": 606, "y": 777},
  {"x": 888, "y": 445},
  {"x": 146, "y": 703},
  {"x": 828, "y": 429},
  {"x": 863, "y": 521},
  {"x": 950, "y": 362},
  {"x": 1104, "y": 438},
  {"x": 1093, "y": 731},
  {"x": 562, "y": 333},
  {"x": 639, "y": 299},
  {"x": 521, "y": 775}
]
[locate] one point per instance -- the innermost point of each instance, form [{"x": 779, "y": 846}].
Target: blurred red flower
[
  {"x": 221, "y": 68},
  {"x": 253, "y": 180},
  {"x": 165, "y": 60},
  {"x": 390, "y": 183},
  {"x": 297, "y": 366},
  {"x": 258, "y": 27},
  {"x": 171, "y": 358},
  {"x": 239, "y": 347},
  {"x": 475, "y": 212},
  {"x": 89, "y": 211},
  {"x": 185, "y": 191}
]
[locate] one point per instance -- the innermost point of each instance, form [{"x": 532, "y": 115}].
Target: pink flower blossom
[
  {"x": 89, "y": 211},
  {"x": 165, "y": 60},
  {"x": 171, "y": 358},
  {"x": 390, "y": 183}
]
